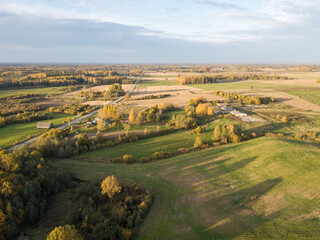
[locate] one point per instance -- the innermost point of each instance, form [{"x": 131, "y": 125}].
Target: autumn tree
[
  {"x": 66, "y": 232},
  {"x": 110, "y": 186},
  {"x": 198, "y": 142},
  {"x": 132, "y": 116},
  {"x": 3, "y": 223}
]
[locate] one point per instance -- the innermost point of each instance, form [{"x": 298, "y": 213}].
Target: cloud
[{"x": 224, "y": 5}]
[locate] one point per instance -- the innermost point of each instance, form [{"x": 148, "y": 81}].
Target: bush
[{"x": 160, "y": 155}]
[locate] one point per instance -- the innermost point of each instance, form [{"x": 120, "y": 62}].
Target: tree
[
  {"x": 66, "y": 232},
  {"x": 284, "y": 119},
  {"x": 217, "y": 133},
  {"x": 198, "y": 143},
  {"x": 110, "y": 186},
  {"x": 127, "y": 96},
  {"x": 132, "y": 116},
  {"x": 3, "y": 223}
]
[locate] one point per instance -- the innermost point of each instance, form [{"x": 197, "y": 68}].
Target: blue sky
[{"x": 160, "y": 31}]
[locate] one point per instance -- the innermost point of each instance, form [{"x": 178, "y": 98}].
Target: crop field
[
  {"x": 18, "y": 132},
  {"x": 259, "y": 189}
]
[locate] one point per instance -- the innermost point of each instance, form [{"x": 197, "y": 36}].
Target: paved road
[{"x": 79, "y": 119}]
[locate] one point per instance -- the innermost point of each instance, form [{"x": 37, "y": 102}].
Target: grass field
[
  {"x": 240, "y": 85},
  {"x": 19, "y": 132},
  {"x": 147, "y": 83},
  {"x": 309, "y": 95},
  {"x": 264, "y": 188},
  {"x": 48, "y": 90}
]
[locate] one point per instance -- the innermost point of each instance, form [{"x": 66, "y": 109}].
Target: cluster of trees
[
  {"x": 152, "y": 114},
  {"x": 182, "y": 122},
  {"x": 228, "y": 133},
  {"x": 245, "y": 99},
  {"x": 59, "y": 144},
  {"x": 23, "y": 118},
  {"x": 19, "y": 109},
  {"x": 199, "y": 107},
  {"x": 15, "y": 104},
  {"x": 26, "y": 182},
  {"x": 72, "y": 109},
  {"x": 114, "y": 91},
  {"x": 152, "y": 97},
  {"x": 226, "y": 78},
  {"x": 106, "y": 210}
]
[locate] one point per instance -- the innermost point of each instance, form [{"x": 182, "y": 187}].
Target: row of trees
[
  {"x": 226, "y": 78},
  {"x": 72, "y": 109},
  {"x": 245, "y": 99}
]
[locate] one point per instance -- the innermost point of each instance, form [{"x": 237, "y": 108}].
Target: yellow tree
[
  {"x": 110, "y": 186},
  {"x": 132, "y": 116},
  {"x": 66, "y": 232}
]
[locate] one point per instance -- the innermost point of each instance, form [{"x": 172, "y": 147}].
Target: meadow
[
  {"x": 15, "y": 133},
  {"x": 311, "y": 95},
  {"x": 264, "y": 188},
  {"x": 46, "y": 90}
]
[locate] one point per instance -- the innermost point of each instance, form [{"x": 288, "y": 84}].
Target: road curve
[{"x": 77, "y": 120}]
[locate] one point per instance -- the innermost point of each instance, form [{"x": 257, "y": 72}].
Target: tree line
[
  {"x": 226, "y": 78},
  {"x": 245, "y": 99}
]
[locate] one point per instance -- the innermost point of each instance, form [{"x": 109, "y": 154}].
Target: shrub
[
  {"x": 198, "y": 143},
  {"x": 145, "y": 160},
  {"x": 160, "y": 155}
]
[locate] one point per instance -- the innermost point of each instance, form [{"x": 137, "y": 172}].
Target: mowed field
[
  {"x": 17, "y": 132},
  {"x": 264, "y": 188}
]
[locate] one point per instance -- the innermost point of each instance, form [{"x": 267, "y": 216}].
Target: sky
[{"x": 159, "y": 31}]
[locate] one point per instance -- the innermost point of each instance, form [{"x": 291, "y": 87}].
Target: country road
[{"x": 79, "y": 119}]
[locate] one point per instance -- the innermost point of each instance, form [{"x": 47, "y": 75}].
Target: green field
[
  {"x": 309, "y": 95},
  {"x": 242, "y": 85},
  {"x": 18, "y": 132},
  {"x": 147, "y": 83},
  {"x": 47, "y": 90},
  {"x": 264, "y": 188}
]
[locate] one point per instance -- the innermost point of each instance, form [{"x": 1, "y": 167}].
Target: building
[
  {"x": 45, "y": 125},
  {"x": 238, "y": 114}
]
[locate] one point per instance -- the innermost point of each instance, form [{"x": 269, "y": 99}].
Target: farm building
[
  {"x": 238, "y": 114},
  {"x": 45, "y": 125}
]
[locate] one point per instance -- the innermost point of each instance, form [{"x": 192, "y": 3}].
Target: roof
[{"x": 47, "y": 125}]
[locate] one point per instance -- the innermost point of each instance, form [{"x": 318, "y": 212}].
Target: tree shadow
[
  {"x": 232, "y": 214},
  {"x": 265, "y": 128}
]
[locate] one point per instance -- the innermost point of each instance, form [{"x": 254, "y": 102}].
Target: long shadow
[
  {"x": 265, "y": 128},
  {"x": 218, "y": 168},
  {"x": 232, "y": 214}
]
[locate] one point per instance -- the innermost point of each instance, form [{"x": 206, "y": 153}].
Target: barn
[{"x": 45, "y": 125}]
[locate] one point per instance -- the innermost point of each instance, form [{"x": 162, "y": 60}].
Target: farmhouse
[{"x": 45, "y": 125}]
